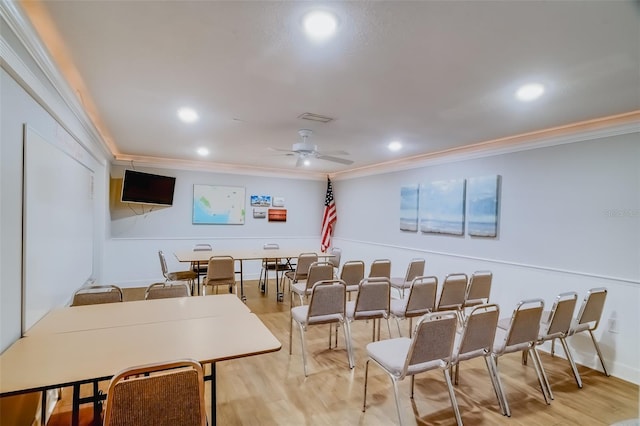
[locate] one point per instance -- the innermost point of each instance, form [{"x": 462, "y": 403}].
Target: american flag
[{"x": 328, "y": 218}]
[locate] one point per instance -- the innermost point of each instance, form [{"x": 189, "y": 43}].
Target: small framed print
[
  {"x": 277, "y": 215},
  {"x": 261, "y": 200},
  {"x": 278, "y": 202},
  {"x": 259, "y": 213}
]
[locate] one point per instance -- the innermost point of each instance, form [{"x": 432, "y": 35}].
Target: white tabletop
[
  {"x": 79, "y": 318},
  {"x": 44, "y": 361}
]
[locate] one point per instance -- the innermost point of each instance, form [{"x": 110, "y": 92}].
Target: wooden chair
[{"x": 162, "y": 394}]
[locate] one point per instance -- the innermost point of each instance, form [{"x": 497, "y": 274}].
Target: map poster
[{"x": 218, "y": 205}]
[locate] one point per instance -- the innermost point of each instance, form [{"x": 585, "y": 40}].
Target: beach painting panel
[
  {"x": 442, "y": 207},
  {"x": 409, "y": 208},
  {"x": 482, "y": 206}
]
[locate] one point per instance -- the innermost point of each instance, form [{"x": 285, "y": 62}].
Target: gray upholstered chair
[
  {"x": 326, "y": 306},
  {"x": 299, "y": 273},
  {"x": 163, "y": 394},
  {"x": 167, "y": 290},
  {"x": 220, "y": 271},
  {"x": 352, "y": 273},
  {"x": 199, "y": 267},
  {"x": 97, "y": 294},
  {"x": 475, "y": 339},
  {"x": 415, "y": 269},
  {"x": 372, "y": 303},
  {"x": 421, "y": 300},
  {"x": 271, "y": 264},
  {"x": 430, "y": 348},
  {"x": 189, "y": 276},
  {"x": 452, "y": 294},
  {"x": 478, "y": 289},
  {"x": 318, "y": 271},
  {"x": 520, "y": 333},
  {"x": 380, "y": 268}
]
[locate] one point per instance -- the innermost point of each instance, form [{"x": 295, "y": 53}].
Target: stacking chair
[
  {"x": 430, "y": 348},
  {"x": 318, "y": 271},
  {"x": 167, "y": 290},
  {"x": 352, "y": 273},
  {"x": 415, "y": 269},
  {"x": 478, "y": 290},
  {"x": 271, "y": 265},
  {"x": 588, "y": 319},
  {"x": 96, "y": 294},
  {"x": 520, "y": 333},
  {"x": 335, "y": 259},
  {"x": 555, "y": 324},
  {"x": 380, "y": 268},
  {"x": 476, "y": 340},
  {"x": 197, "y": 267},
  {"x": 301, "y": 270},
  {"x": 454, "y": 289},
  {"x": 164, "y": 394},
  {"x": 327, "y": 306},
  {"x": 421, "y": 300},
  {"x": 372, "y": 303},
  {"x": 189, "y": 276},
  {"x": 220, "y": 271}
]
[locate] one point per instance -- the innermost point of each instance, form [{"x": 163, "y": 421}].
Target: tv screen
[{"x": 147, "y": 188}]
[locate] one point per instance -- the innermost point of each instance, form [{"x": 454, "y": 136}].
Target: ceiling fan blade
[
  {"x": 334, "y": 159},
  {"x": 281, "y": 150}
]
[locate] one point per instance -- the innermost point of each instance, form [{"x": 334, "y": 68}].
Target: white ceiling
[{"x": 432, "y": 74}]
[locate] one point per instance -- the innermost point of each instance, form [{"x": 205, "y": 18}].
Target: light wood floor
[{"x": 271, "y": 389}]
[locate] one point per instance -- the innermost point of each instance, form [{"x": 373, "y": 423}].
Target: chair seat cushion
[
  {"x": 300, "y": 288},
  {"x": 351, "y": 312},
  {"x": 299, "y": 315},
  {"x": 398, "y": 307},
  {"x": 390, "y": 353},
  {"x": 182, "y": 275},
  {"x": 399, "y": 282}
]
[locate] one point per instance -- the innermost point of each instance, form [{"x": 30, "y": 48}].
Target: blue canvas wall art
[{"x": 442, "y": 207}]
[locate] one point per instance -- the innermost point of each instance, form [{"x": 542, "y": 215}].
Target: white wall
[
  {"x": 137, "y": 233},
  {"x": 569, "y": 221}
]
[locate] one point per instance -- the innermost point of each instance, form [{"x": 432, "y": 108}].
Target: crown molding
[
  {"x": 53, "y": 92},
  {"x": 583, "y": 131}
]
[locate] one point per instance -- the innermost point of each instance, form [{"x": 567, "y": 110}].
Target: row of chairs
[
  {"x": 443, "y": 339},
  {"x": 97, "y": 294}
]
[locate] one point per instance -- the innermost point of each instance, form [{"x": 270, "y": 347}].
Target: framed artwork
[
  {"x": 277, "y": 215},
  {"x": 218, "y": 205},
  {"x": 482, "y": 206},
  {"x": 259, "y": 213},
  {"x": 261, "y": 200},
  {"x": 442, "y": 207},
  {"x": 409, "y": 208},
  {"x": 278, "y": 201}
]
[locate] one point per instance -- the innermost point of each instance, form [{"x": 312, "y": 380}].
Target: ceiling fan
[{"x": 305, "y": 150}]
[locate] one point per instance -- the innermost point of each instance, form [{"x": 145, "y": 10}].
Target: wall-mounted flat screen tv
[{"x": 147, "y": 188}]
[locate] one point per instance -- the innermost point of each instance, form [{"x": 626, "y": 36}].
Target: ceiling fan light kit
[{"x": 305, "y": 150}]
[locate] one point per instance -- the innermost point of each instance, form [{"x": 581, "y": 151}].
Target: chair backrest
[
  {"x": 454, "y": 289},
  {"x": 328, "y": 301},
  {"x": 302, "y": 265},
  {"x": 167, "y": 290},
  {"x": 479, "y": 286},
  {"x": 592, "y": 307},
  {"x": 157, "y": 394},
  {"x": 319, "y": 271},
  {"x": 380, "y": 268},
  {"x": 422, "y": 296},
  {"x": 202, "y": 247},
  {"x": 478, "y": 332},
  {"x": 561, "y": 315},
  {"x": 415, "y": 269},
  {"x": 352, "y": 272},
  {"x": 335, "y": 259},
  {"x": 374, "y": 298},
  {"x": 432, "y": 339},
  {"x": 222, "y": 269},
  {"x": 524, "y": 324},
  {"x": 163, "y": 263},
  {"x": 271, "y": 246},
  {"x": 97, "y": 294}
]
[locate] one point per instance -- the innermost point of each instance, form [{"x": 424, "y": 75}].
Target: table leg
[
  {"x": 43, "y": 408},
  {"x": 242, "y": 296},
  {"x": 212, "y": 378},
  {"x": 75, "y": 411},
  {"x": 96, "y": 404}
]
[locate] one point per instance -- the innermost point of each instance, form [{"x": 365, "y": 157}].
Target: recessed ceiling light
[
  {"x": 320, "y": 25},
  {"x": 394, "y": 146},
  {"x": 530, "y": 91},
  {"x": 187, "y": 115},
  {"x": 202, "y": 151}
]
